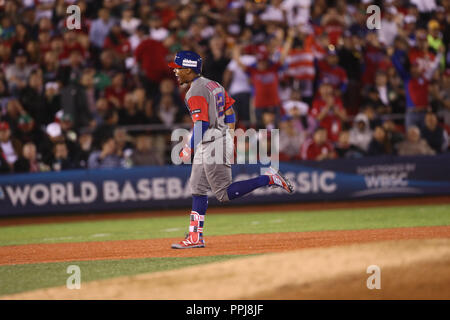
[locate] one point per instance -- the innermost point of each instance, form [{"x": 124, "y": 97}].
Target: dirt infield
[
  {"x": 410, "y": 269},
  {"x": 216, "y": 245}
]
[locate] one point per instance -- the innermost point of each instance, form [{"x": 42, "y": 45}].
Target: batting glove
[{"x": 186, "y": 153}]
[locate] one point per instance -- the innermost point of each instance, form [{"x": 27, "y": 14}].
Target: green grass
[
  {"x": 20, "y": 278},
  {"x": 226, "y": 224}
]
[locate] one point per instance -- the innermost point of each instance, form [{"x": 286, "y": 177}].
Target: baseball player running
[{"x": 214, "y": 121}]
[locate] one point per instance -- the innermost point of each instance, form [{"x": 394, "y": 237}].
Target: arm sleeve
[
  {"x": 198, "y": 107},
  {"x": 229, "y": 101},
  {"x": 200, "y": 128}
]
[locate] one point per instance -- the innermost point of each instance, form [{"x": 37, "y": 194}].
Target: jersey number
[{"x": 220, "y": 103}]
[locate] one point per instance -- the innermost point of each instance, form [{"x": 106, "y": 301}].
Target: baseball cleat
[
  {"x": 278, "y": 180},
  {"x": 191, "y": 241}
]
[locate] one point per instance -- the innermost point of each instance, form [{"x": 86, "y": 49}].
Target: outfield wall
[{"x": 168, "y": 186}]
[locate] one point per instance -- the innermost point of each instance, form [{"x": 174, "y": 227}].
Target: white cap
[
  {"x": 410, "y": 19},
  {"x": 53, "y": 129},
  {"x": 301, "y": 106}
]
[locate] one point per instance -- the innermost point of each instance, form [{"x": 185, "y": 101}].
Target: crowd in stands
[{"x": 102, "y": 96}]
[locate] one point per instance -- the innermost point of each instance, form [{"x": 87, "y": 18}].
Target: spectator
[
  {"x": 106, "y": 157},
  {"x": 274, "y": 13},
  {"x": 137, "y": 36},
  {"x": 444, "y": 112},
  {"x": 328, "y": 110},
  {"x": 168, "y": 111},
  {"x": 71, "y": 72},
  {"x": 269, "y": 121},
  {"x": 373, "y": 57},
  {"x": 346, "y": 150},
  {"x": 361, "y": 134},
  {"x": 18, "y": 73},
  {"x": 150, "y": 56},
  {"x": 74, "y": 99},
  {"x": 68, "y": 130},
  {"x": 108, "y": 68},
  {"x": 157, "y": 31},
  {"x": 101, "y": 109},
  {"x": 50, "y": 67},
  {"x": 45, "y": 147},
  {"x": 20, "y": 38},
  {"x": 414, "y": 145},
  {"x": 124, "y": 144},
  {"x": 33, "y": 98},
  {"x": 384, "y": 92},
  {"x": 379, "y": 145},
  {"x": 389, "y": 26},
  {"x": 129, "y": 22},
  {"x": 27, "y": 130},
  {"x": 100, "y": 28},
  {"x": 372, "y": 115},
  {"x": 291, "y": 140},
  {"x": 4, "y": 166},
  {"x": 106, "y": 129},
  {"x": 298, "y": 110},
  {"x": 61, "y": 160},
  {"x": 264, "y": 78},
  {"x": 145, "y": 154},
  {"x": 129, "y": 114},
  {"x": 318, "y": 147},
  {"x": 44, "y": 42},
  {"x": 28, "y": 162},
  {"x": 421, "y": 56},
  {"x": 297, "y": 11},
  {"x": 116, "y": 92},
  {"x": 393, "y": 134},
  {"x": 216, "y": 60},
  {"x": 13, "y": 112},
  {"x": 85, "y": 142},
  {"x": 301, "y": 65},
  {"x": 434, "y": 39},
  {"x": 434, "y": 135},
  {"x": 167, "y": 87},
  {"x": 87, "y": 83},
  {"x": 10, "y": 147},
  {"x": 70, "y": 44},
  {"x": 329, "y": 69},
  {"x": 237, "y": 83},
  {"x": 117, "y": 42},
  {"x": 416, "y": 86},
  {"x": 333, "y": 24}
]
